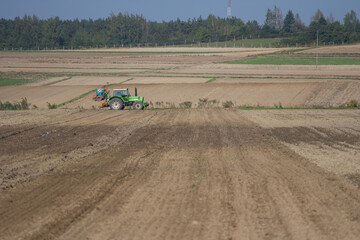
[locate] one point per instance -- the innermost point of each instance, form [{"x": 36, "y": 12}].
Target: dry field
[
  {"x": 175, "y": 75},
  {"x": 342, "y": 50},
  {"x": 201, "y": 173}
]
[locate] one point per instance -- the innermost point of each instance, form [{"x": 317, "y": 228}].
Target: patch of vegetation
[
  {"x": 353, "y": 104},
  {"x": 13, "y": 82},
  {"x": 228, "y": 104},
  {"x": 22, "y": 105},
  {"x": 112, "y": 51},
  {"x": 52, "y": 106},
  {"x": 186, "y": 104},
  {"x": 21, "y": 78},
  {"x": 298, "y": 61},
  {"x": 204, "y": 102},
  {"x": 211, "y": 80}
]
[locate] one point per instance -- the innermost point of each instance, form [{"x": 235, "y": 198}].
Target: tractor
[{"x": 122, "y": 98}]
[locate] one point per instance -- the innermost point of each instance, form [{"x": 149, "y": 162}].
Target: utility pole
[{"x": 317, "y": 48}]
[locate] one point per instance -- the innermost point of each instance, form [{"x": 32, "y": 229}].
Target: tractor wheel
[
  {"x": 138, "y": 106},
  {"x": 116, "y": 104}
]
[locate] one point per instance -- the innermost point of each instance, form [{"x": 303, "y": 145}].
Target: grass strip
[
  {"x": 91, "y": 91},
  {"x": 13, "y": 81},
  {"x": 211, "y": 80},
  {"x": 121, "y": 52},
  {"x": 61, "y": 80}
]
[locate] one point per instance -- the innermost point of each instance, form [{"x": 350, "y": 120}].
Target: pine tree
[{"x": 289, "y": 22}]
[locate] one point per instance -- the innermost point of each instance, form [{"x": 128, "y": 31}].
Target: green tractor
[{"x": 122, "y": 98}]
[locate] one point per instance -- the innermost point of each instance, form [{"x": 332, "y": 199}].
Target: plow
[{"x": 120, "y": 99}]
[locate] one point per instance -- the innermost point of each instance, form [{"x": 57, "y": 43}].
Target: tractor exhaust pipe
[{"x": 135, "y": 92}]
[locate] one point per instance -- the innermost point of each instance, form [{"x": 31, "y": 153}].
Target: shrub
[
  {"x": 353, "y": 104},
  {"x": 228, "y": 104},
  {"x": 202, "y": 102},
  {"x": 186, "y": 104},
  {"x": 51, "y": 106},
  {"x": 22, "y": 105}
]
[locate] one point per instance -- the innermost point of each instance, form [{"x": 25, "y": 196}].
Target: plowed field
[
  {"x": 173, "y": 174},
  {"x": 199, "y": 173}
]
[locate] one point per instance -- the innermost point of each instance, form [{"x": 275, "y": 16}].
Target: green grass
[
  {"x": 211, "y": 80},
  {"x": 21, "y": 78},
  {"x": 119, "y": 52},
  {"x": 13, "y": 81},
  {"x": 298, "y": 61}
]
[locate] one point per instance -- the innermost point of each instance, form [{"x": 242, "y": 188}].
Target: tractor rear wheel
[
  {"x": 116, "y": 104},
  {"x": 138, "y": 106}
]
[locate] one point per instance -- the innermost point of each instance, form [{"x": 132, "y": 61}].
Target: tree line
[{"x": 30, "y": 32}]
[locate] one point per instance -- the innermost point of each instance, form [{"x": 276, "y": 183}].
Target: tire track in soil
[
  {"x": 34, "y": 155},
  {"x": 187, "y": 174}
]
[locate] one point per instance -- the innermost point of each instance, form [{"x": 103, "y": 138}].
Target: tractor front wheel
[
  {"x": 116, "y": 104},
  {"x": 138, "y": 106}
]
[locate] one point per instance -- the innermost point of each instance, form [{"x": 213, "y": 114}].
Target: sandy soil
[
  {"x": 173, "y": 78},
  {"x": 328, "y": 138},
  {"x": 335, "y": 50},
  {"x": 196, "y": 173},
  {"x": 91, "y": 80},
  {"x": 254, "y": 92},
  {"x": 77, "y": 61},
  {"x": 41, "y": 95},
  {"x": 234, "y": 70},
  {"x": 179, "y": 174},
  {"x": 173, "y": 91}
]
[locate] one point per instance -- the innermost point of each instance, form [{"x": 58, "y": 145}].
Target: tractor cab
[{"x": 121, "y": 92}]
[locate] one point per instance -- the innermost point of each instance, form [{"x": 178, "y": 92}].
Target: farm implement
[{"x": 121, "y": 98}]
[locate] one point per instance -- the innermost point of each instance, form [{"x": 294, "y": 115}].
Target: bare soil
[
  {"x": 335, "y": 50},
  {"x": 202, "y": 173},
  {"x": 175, "y": 75},
  {"x": 180, "y": 174}
]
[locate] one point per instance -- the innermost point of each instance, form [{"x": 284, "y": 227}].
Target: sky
[{"x": 165, "y": 10}]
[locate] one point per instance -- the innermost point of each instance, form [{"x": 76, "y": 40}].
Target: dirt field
[
  {"x": 175, "y": 75},
  {"x": 180, "y": 174},
  {"x": 338, "y": 50},
  {"x": 200, "y": 173}
]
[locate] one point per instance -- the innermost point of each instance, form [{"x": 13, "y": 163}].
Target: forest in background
[{"x": 124, "y": 30}]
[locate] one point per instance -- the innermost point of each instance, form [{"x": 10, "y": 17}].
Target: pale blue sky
[{"x": 159, "y": 10}]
